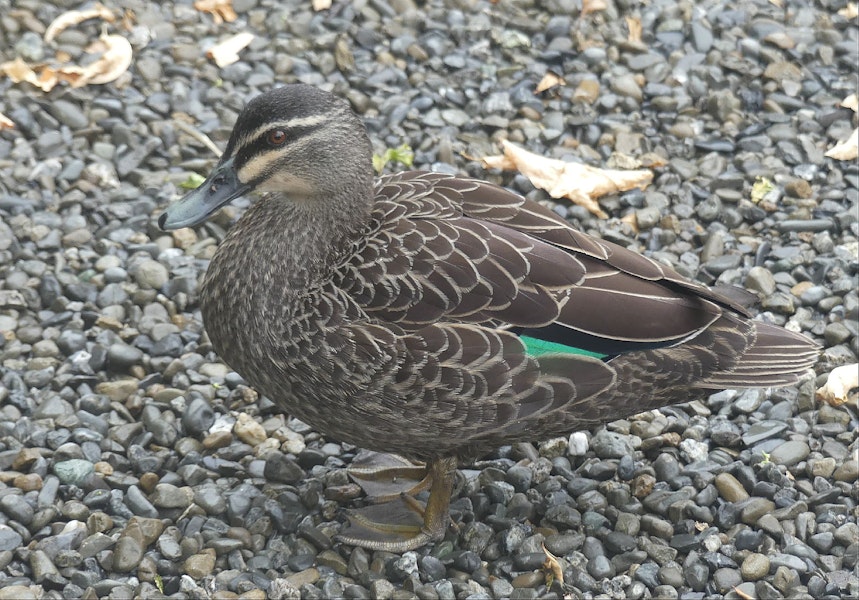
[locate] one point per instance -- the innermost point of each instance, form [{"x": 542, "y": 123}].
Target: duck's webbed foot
[{"x": 401, "y": 523}]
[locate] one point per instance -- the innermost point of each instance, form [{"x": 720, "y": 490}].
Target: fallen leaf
[
  {"x": 838, "y": 387},
  {"x": 6, "y": 122},
  {"x": 760, "y": 189},
  {"x": 549, "y": 81},
  {"x": 634, "y": 26},
  {"x": 632, "y": 221},
  {"x": 851, "y": 102},
  {"x": 846, "y": 150},
  {"x": 17, "y": 70},
  {"x": 320, "y": 4},
  {"x": 589, "y": 6},
  {"x": 221, "y": 10},
  {"x": 581, "y": 184},
  {"x": 73, "y": 17},
  {"x": 114, "y": 61},
  {"x": 553, "y": 566},
  {"x": 850, "y": 12},
  {"x": 227, "y": 52}
]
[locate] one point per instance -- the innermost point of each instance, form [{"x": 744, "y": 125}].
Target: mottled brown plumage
[{"x": 400, "y": 314}]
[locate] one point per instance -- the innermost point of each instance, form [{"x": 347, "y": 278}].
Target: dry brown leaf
[
  {"x": 632, "y": 221},
  {"x": 73, "y": 17},
  {"x": 850, "y": 12},
  {"x": 221, "y": 10},
  {"x": 846, "y": 150},
  {"x": 549, "y": 81},
  {"x": 227, "y": 52},
  {"x": 320, "y": 4},
  {"x": 838, "y": 387},
  {"x": 579, "y": 183},
  {"x": 554, "y": 567},
  {"x": 17, "y": 70},
  {"x": 851, "y": 102},
  {"x": 634, "y": 26},
  {"x": 652, "y": 160},
  {"x": 6, "y": 122},
  {"x": 114, "y": 61},
  {"x": 589, "y": 6}
]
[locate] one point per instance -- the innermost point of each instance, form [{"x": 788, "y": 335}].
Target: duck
[{"x": 439, "y": 317}]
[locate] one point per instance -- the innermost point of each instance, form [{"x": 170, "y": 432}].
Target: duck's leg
[{"x": 409, "y": 531}]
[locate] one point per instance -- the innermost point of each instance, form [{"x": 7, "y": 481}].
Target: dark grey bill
[{"x": 195, "y": 206}]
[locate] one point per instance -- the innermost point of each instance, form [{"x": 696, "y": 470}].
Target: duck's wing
[{"x": 448, "y": 249}]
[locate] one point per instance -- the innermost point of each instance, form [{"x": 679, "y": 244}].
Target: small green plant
[{"x": 402, "y": 154}]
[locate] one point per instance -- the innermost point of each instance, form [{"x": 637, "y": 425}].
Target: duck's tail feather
[{"x": 774, "y": 357}]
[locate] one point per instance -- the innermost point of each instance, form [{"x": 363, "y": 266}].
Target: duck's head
[{"x": 298, "y": 141}]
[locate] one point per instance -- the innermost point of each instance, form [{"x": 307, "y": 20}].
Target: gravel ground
[{"x": 134, "y": 462}]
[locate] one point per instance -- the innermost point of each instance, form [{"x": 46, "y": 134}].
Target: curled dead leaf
[
  {"x": 549, "y": 81},
  {"x": 221, "y": 10},
  {"x": 838, "y": 387},
  {"x": 114, "y": 61},
  {"x": 850, "y": 12},
  {"x": 17, "y": 70},
  {"x": 579, "y": 183},
  {"x": 554, "y": 568},
  {"x": 227, "y": 52},
  {"x": 589, "y": 6},
  {"x": 632, "y": 220},
  {"x": 73, "y": 17},
  {"x": 846, "y": 150},
  {"x": 6, "y": 122}
]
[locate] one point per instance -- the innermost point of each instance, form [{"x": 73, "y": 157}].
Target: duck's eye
[{"x": 276, "y": 137}]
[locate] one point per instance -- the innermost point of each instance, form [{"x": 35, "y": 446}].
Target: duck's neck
[{"x": 299, "y": 242}]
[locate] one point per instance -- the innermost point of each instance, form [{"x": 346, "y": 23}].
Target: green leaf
[
  {"x": 761, "y": 188},
  {"x": 193, "y": 182}
]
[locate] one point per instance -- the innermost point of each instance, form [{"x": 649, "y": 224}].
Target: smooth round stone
[
  {"x": 127, "y": 554},
  {"x": 755, "y": 566},
  {"x": 790, "y": 453},
  {"x": 730, "y": 488},
  {"x": 199, "y": 566},
  {"x": 73, "y": 472},
  {"x": 150, "y": 274},
  {"x": 607, "y": 444},
  {"x": 755, "y": 508}
]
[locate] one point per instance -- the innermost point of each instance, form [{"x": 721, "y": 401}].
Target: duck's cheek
[{"x": 288, "y": 184}]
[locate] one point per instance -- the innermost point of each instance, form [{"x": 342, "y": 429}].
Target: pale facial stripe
[
  {"x": 261, "y": 163},
  {"x": 310, "y": 121}
]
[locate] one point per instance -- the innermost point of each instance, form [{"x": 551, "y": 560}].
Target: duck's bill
[{"x": 195, "y": 207}]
